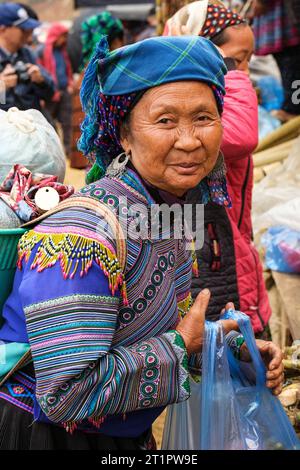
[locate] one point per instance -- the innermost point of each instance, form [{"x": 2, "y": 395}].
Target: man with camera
[{"x": 23, "y": 83}]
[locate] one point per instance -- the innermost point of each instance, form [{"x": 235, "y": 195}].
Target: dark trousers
[
  {"x": 62, "y": 112},
  {"x": 288, "y": 62}
]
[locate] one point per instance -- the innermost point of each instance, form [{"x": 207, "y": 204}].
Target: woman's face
[
  {"x": 174, "y": 135},
  {"x": 239, "y": 45},
  {"x": 62, "y": 40},
  {"x": 116, "y": 43}
]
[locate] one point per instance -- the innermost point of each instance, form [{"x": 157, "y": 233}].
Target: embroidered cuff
[
  {"x": 235, "y": 340},
  {"x": 178, "y": 345}
]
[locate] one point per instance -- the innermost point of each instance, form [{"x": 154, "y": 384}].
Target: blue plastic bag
[
  {"x": 264, "y": 423},
  {"x": 231, "y": 408},
  {"x": 266, "y": 123},
  {"x": 271, "y": 92},
  {"x": 282, "y": 249}
]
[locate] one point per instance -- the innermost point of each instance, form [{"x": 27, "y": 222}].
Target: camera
[{"x": 20, "y": 69}]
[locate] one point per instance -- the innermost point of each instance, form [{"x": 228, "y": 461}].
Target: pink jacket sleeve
[{"x": 240, "y": 117}]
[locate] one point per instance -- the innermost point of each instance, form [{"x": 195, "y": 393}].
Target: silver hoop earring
[{"x": 118, "y": 165}]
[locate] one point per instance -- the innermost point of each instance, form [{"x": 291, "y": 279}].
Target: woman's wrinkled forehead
[{"x": 186, "y": 97}]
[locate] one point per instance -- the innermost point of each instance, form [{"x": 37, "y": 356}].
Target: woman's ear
[{"x": 124, "y": 138}]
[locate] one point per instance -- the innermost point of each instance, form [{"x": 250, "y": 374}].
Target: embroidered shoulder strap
[{"x": 74, "y": 251}]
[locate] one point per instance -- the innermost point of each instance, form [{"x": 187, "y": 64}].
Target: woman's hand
[
  {"x": 191, "y": 327},
  {"x": 272, "y": 357},
  {"x": 176, "y": 29},
  {"x": 229, "y": 325}
]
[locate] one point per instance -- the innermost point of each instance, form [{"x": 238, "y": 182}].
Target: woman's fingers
[
  {"x": 275, "y": 373},
  {"x": 276, "y": 353},
  {"x": 277, "y": 390},
  {"x": 192, "y": 326},
  {"x": 276, "y": 385},
  {"x": 174, "y": 29},
  {"x": 228, "y": 306},
  {"x": 229, "y": 325},
  {"x": 275, "y": 380},
  {"x": 272, "y": 356},
  {"x": 270, "y": 353},
  {"x": 201, "y": 303}
]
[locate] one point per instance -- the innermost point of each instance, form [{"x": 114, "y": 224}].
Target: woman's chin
[{"x": 186, "y": 182}]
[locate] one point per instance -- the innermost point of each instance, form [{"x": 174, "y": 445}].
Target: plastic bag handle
[{"x": 247, "y": 332}]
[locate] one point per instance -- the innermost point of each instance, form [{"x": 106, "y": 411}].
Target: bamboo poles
[
  {"x": 269, "y": 160},
  {"x": 275, "y": 148},
  {"x": 288, "y": 131},
  {"x": 273, "y": 154}
]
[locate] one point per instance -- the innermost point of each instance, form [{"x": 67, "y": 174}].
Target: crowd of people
[{"x": 112, "y": 328}]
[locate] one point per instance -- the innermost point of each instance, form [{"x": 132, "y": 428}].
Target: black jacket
[{"x": 25, "y": 95}]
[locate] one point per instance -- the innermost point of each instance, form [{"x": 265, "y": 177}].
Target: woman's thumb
[{"x": 201, "y": 303}]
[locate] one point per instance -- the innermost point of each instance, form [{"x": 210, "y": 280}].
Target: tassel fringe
[
  {"x": 73, "y": 252},
  {"x": 97, "y": 422},
  {"x": 70, "y": 427}
]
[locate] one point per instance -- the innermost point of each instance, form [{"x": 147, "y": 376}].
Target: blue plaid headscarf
[{"x": 114, "y": 80}]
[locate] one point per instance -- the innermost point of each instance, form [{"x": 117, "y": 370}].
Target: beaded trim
[{"x": 73, "y": 252}]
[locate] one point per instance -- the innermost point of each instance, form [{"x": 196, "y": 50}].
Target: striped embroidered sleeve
[
  {"x": 71, "y": 324},
  {"x": 79, "y": 375}
]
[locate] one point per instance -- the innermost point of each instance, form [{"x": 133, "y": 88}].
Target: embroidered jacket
[
  {"x": 100, "y": 316},
  {"x": 101, "y": 311}
]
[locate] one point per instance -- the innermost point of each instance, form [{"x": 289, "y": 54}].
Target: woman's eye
[
  {"x": 204, "y": 118},
  {"x": 164, "y": 121},
  {"x": 239, "y": 60}
]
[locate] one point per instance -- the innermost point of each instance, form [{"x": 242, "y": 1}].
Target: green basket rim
[{"x": 13, "y": 231}]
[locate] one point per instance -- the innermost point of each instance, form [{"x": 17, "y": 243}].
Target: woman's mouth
[{"x": 187, "y": 168}]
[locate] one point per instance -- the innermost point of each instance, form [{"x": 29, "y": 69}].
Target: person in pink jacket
[
  {"x": 229, "y": 264},
  {"x": 240, "y": 138}
]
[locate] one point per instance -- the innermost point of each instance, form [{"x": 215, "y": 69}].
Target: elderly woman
[{"x": 102, "y": 307}]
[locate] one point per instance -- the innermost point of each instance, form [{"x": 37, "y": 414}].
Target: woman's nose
[{"x": 187, "y": 140}]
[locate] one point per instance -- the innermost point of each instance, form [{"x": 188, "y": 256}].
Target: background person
[
  {"x": 276, "y": 27},
  {"x": 92, "y": 30},
  {"x": 151, "y": 29},
  {"x": 26, "y": 83},
  {"x": 53, "y": 56}
]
